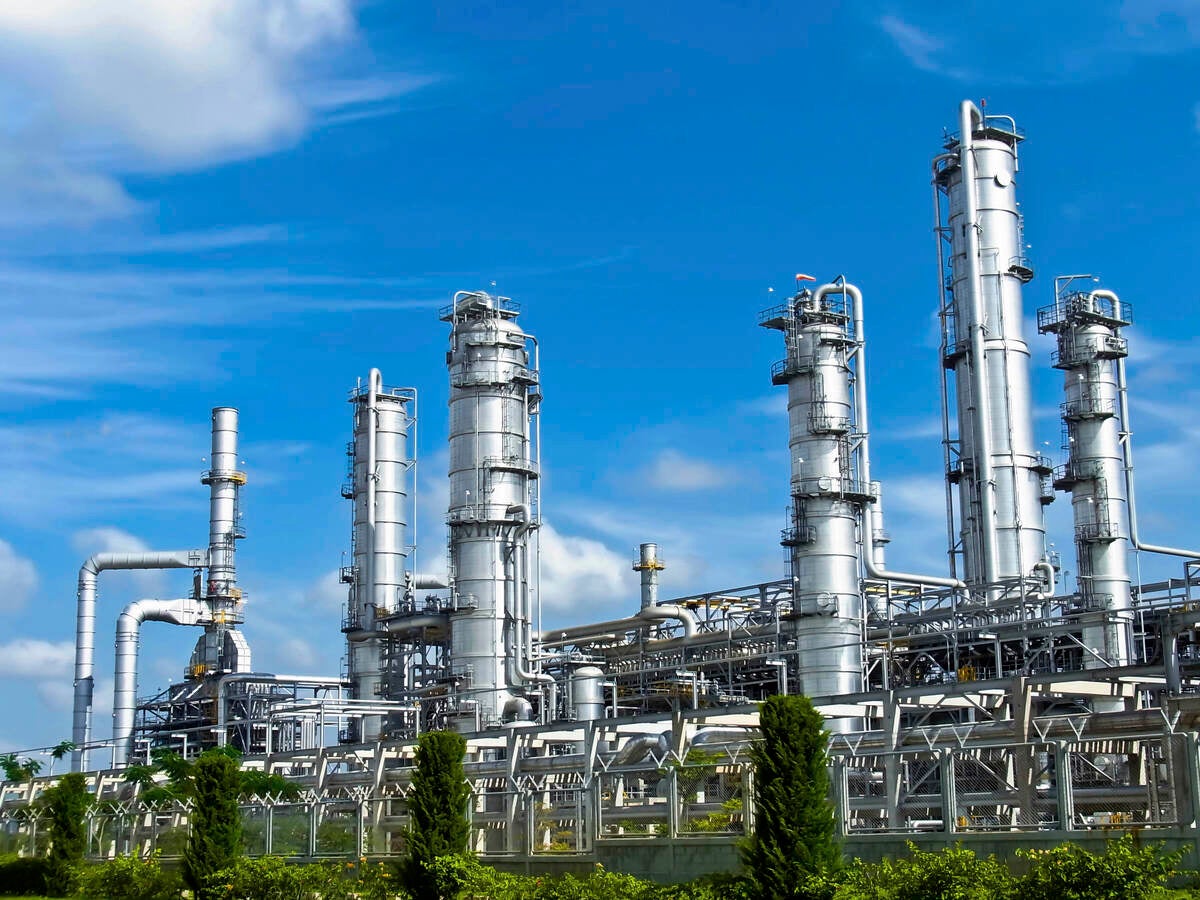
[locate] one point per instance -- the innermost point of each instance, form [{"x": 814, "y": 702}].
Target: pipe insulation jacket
[
  {"x": 129, "y": 623},
  {"x": 85, "y": 628}
]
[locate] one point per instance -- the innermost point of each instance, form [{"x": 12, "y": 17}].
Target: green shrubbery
[
  {"x": 22, "y": 875},
  {"x": 128, "y": 878},
  {"x": 1126, "y": 870}
]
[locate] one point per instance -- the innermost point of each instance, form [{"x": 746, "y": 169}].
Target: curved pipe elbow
[{"x": 667, "y": 611}]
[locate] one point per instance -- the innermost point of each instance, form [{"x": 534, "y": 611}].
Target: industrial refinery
[{"x": 992, "y": 697}]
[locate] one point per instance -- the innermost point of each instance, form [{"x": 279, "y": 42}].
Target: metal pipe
[
  {"x": 374, "y": 386},
  {"x": 864, "y": 446},
  {"x": 85, "y": 628},
  {"x": 266, "y": 678},
  {"x": 129, "y": 623},
  {"x": 661, "y": 613},
  {"x": 423, "y": 581},
  {"x": 968, "y": 115},
  {"x": 1127, "y": 457}
]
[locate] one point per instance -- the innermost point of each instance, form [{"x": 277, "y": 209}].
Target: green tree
[
  {"x": 29, "y": 769},
  {"x": 793, "y": 849},
  {"x": 67, "y": 804},
  {"x": 437, "y": 807},
  {"x": 61, "y": 749},
  {"x": 10, "y": 766},
  {"x": 216, "y": 838}
]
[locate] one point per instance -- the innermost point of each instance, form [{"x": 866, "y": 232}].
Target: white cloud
[
  {"x": 920, "y": 47},
  {"x": 58, "y": 695},
  {"x": 327, "y": 592},
  {"x": 673, "y": 471},
  {"x": 91, "y": 90},
  {"x": 583, "y": 574},
  {"x": 18, "y": 578},
  {"x": 173, "y": 83},
  {"x": 34, "y": 658},
  {"x": 772, "y": 405}
]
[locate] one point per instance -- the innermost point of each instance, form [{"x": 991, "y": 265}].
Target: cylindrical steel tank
[
  {"x": 827, "y": 500},
  {"x": 383, "y": 417},
  {"x": 995, "y": 463},
  {"x": 492, "y": 510},
  {"x": 587, "y": 693},
  {"x": 1087, "y": 327}
]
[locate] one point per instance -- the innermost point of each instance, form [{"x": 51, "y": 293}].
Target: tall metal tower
[
  {"x": 493, "y": 511},
  {"x": 992, "y": 457}
]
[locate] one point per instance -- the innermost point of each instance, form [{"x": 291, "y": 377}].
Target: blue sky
[{"x": 251, "y": 202}]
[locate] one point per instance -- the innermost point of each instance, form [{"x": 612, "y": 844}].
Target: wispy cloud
[
  {"x": 18, "y": 578},
  {"x": 94, "y": 90},
  {"x": 921, "y": 48},
  {"x": 31, "y": 658},
  {"x": 1030, "y": 46},
  {"x": 672, "y": 470}
]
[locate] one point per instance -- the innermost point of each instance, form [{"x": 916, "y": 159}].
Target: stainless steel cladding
[
  {"x": 1088, "y": 328},
  {"x": 827, "y": 500},
  {"x": 649, "y": 565},
  {"x": 383, "y": 418},
  {"x": 587, "y": 693},
  {"x": 993, "y": 457},
  {"x": 493, "y": 504},
  {"x": 215, "y": 651}
]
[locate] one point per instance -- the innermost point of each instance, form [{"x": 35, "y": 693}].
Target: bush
[
  {"x": 951, "y": 874},
  {"x": 1125, "y": 871},
  {"x": 271, "y": 878},
  {"x": 128, "y": 878},
  {"x": 21, "y": 875}
]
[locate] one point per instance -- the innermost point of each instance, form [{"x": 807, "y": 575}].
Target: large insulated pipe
[
  {"x": 968, "y": 115},
  {"x": 1127, "y": 451},
  {"x": 85, "y": 629},
  {"x": 176, "y": 612},
  {"x": 664, "y": 612},
  {"x": 862, "y": 425}
]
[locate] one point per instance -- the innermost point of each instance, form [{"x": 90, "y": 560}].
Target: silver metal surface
[
  {"x": 223, "y": 597},
  {"x": 85, "y": 629},
  {"x": 493, "y": 498},
  {"x": 175, "y": 612},
  {"x": 993, "y": 458},
  {"x": 587, "y": 693},
  {"x": 1088, "y": 329},
  {"x": 828, "y": 498},
  {"x": 380, "y": 462}
]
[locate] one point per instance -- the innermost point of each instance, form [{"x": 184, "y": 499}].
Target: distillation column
[
  {"x": 827, "y": 501},
  {"x": 997, "y": 468},
  {"x": 379, "y": 584},
  {"x": 493, "y": 508},
  {"x": 222, "y": 648},
  {"x": 1088, "y": 329}
]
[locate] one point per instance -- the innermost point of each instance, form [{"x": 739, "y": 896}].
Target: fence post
[
  {"x": 949, "y": 793},
  {"x": 1062, "y": 785}
]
